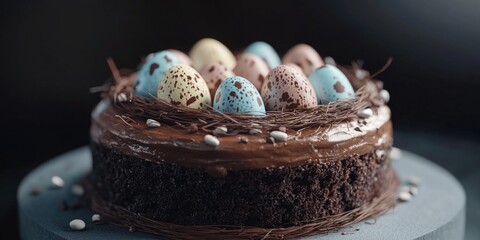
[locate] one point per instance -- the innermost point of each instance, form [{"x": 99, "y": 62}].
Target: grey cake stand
[{"x": 436, "y": 212}]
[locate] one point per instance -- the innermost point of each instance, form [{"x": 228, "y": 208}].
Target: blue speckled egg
[
  {"x": 330, "y": 84},
  {"x": 151, "y": 72},
  {"x": 265, "y": 52},
  {"x": 237, "y": 94}
]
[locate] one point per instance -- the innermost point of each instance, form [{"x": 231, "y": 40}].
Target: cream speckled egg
[
  {"x": 181, "y": 56},
  {"x": 304, "y": 56},
  {"x": 183, "y": 85},
  {"x": 209, "y": 50},
  {"x": 286, "y": 88},
  {"x": 214, "y": 74},
  {"x": 253, "y": 68}
]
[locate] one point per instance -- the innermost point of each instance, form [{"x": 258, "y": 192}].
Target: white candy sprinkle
[
  {"x": 152, "y": 123},
  {"x": 77, "y": 224},
  {"x": 413, "y": 191},
  {"x": 122, "y": 97},
  {"x": 222, "y": 130},
  {"x": 78, "y": 190},
  {"x": 396, "y": 153},
  {"x": 211, "y": 140},
  {"x": 279, "y": 136},
  {"x": 365, "y": 113},
  {"x": 404, "y": 196},
  {"x": 330, "y": 61},
  {"x": 57, "y": 181},
  {"x": 385, "y": 95},
  {"x": 96, "y": 218},
  {"x": 255, "y": 131},
  {"x": 414, "y": 181}
]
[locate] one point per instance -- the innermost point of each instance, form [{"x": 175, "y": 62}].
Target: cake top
[
  {"x": 251, "y": 111},
  {"x": 211, "y": 88}
]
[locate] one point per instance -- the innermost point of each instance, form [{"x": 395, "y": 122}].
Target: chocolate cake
[{"x": 159, "y": 162}]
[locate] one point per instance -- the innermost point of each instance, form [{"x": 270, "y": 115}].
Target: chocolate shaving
[{"x": 123, "y": 217}]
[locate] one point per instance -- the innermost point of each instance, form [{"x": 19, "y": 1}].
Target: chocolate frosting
[{"x": 176, "y": 145}]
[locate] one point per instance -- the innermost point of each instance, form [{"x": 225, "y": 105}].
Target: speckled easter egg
[
  {"x": 151, "y": 72},
  {"x": 304, "y": 56},
  {"x": 330, "y": 84},
  {"x": 237, "y": 94},
  {"x": 214, "y": 74},
  {"x": 183, "y": 85},
  {"x": 181, "y": 56},
  {"x": 252, "y": 68},
  {"x": 209, "y": 50},
  {"x": 293, "y": 65},
  {"x": 265, "y": 52},
  {"x": 287, "y": 88}
]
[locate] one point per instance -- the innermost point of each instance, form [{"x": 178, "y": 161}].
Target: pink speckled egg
[
  {"x": 214, "y": 74},
  {"x": 304, "y": 56},
  {"x": 252, "y": 68},
  {"x": 286, "y": 88},
  {"x": 293, "y": 65},
  {"x": 181, "y": 56}
]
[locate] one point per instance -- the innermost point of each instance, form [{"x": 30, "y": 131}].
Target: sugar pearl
[
  {"x": 57, "y": 181},
  {"x": 365, "y": 113},
  {"x": 413, "y": 191},
  {"x": 211, "y": 140},
  {"x": 255, "y": 131},
  {"x": 385, "y": 95},
  {"x": 279, "y": 136},
  {"x": 404, "y": 196},
  {"x": 219, "y": 131},
  {"x": 122, "y": 97},
  {"x": 96, "y": 218},
  {"x": 152, "y": 123},
  {"x": 77, "y": 224}
]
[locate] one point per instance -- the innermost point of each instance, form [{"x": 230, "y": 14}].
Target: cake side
[{"x": 264, "y": 197}]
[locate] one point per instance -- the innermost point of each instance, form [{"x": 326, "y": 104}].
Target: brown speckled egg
[
  {"x": 286, "y": 88},
  {"x": 181, "y": 84},
  {"x": 252, "y": 68},
  {"x": 181, "y": 56},
  {"x": 304, "y": 56},
  {"x": 214, "y": 74}
]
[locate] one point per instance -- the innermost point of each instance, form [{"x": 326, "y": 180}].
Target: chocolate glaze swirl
[{"x": 175, "y": 145}]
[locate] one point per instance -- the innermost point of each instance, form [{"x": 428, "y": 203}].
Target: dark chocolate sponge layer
[{"x": 265, "y": 197}]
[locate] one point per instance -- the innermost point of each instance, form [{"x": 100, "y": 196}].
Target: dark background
[{"x": 52, "y": 52}]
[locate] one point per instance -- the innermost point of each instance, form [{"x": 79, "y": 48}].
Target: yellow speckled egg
[
  {"x": 286, "y": 89},
  {"x": 183, "y": 85},
  {"x": 209, "y": 50}
]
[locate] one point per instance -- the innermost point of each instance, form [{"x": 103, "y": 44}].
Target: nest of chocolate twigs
[
  {"x": 135, "y": 222},
  {"x": 366, "y": 96}
]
